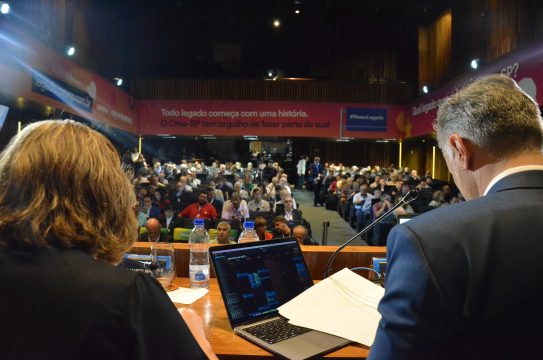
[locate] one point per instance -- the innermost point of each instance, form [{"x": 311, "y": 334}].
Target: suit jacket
[
  {"x": 465, "y": 281},
  {"x": 296, "y": 215}
]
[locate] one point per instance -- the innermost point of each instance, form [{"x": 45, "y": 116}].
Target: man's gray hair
[{"x": 493, "y": 113}]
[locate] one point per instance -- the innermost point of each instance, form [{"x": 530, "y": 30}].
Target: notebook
[{"x": 255, "y": 279}]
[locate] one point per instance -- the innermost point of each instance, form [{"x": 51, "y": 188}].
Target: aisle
[{"x": 339, "y": 230}]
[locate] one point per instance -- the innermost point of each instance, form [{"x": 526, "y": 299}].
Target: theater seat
[{"x": 181, "y": 234}]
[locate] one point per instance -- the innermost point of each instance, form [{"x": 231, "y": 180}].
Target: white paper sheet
[
  {"x": 344, "y": 304},
  {"x": 186, "y": 295}
]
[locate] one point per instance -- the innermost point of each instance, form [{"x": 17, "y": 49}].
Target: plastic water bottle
[
  {"x": 249, "y": 234},
  {"x": 199, "y": 257}
]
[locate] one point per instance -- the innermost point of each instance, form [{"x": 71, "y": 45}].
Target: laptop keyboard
[{"x": 276, "y": 330}]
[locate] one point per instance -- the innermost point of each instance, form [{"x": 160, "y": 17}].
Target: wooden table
[
  {"x": 228, "y": 345},
  {"x": 316, "y": 257}
]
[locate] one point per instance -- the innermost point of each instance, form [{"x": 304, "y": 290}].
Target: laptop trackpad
[{"x": 309, "y": 344}]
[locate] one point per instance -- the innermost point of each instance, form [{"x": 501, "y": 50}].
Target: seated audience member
[
  {"x": 283, "y": 182},
  {"x": 183, "y": 185},
  {"x": 375, "y": 184},
  {"x": 243, "y": 194},
  {"x": 171, "y": 219},
  {"x": 278, "y": 204},
  {"x": 214, "y": 200},
  {"x": 362, "y": 205},
  {"x": 257, "y": 203},
  {"x": 225, "y": 187},
  {"x": 261, "y": 225},
  {"x": 281, "y": 228},
  {"x": 288, "y": 211},
  {"x": 153, "y": 233},
  {"x": 177, "y": 196},
  {"x": 148, "y": 210},
  {"x": 437, "y": 199},
  {"x": 200, "y": 209},
  {"x": 379, "y": 208},
  {"x": 447, "y": 193},
  {"x": 65, "y": 244},
  {"x": 300, "y": 233},
  {"x": 235, "y": 209},
  {"x": 223, "y": 232}
]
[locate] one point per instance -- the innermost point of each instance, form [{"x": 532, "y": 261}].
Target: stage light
[
  {"x": 426, "y": 89},
  {"x": 276, "y": 23},
  {"x": 475, "y": 64},
  {"x": 296, "y": 11},
  {"x": 270, "y": 74},
  {"x": 118, "y": 81},
  {"x": 70, "y": 50},
  {"x": 4, "y": 8}
]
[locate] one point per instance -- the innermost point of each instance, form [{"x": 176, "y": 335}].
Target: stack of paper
[
  {"x": 344, "y": 304},
  {"x": 186, "y": 295}
]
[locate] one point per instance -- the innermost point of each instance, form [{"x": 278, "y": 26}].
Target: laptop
[{"x": 255, "y": 279}]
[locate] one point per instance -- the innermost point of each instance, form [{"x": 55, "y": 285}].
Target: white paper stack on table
[
  {"x": 344, "y": 304},
  {"x": 186, "y": 295}
]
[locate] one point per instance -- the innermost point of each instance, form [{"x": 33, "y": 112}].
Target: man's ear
[{"x": 461, "y": 151}]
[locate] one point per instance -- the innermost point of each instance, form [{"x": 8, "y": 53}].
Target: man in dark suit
[
  {"x": 465, "y": 281},
  {"x": 315, "y": 168},
  {"x": 216, "y": 203},
  {"x": 288, "y": 211}
]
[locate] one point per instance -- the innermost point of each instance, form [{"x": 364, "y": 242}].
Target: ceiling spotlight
[
  {"x": 296, "y": 11},
  {"x": 70, "y": 50},
  {"x": 118, "y": 81},
  {"x": 475, "y": 64},
  {"x": 4, "y": 8},
  {"x": 276, "y": 23},
  {"x": 426, "y": 89}
]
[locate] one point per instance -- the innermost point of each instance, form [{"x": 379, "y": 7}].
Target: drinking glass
[{"x": 163, "y": 264}]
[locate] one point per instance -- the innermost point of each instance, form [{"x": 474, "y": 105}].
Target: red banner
[
  {"x": 32, "y": 70},
  {"x": 524, "y": 66},
  {"x": 261, "y": 118}
]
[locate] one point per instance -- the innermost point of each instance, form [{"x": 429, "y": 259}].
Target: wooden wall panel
[
  {"x": 261, "y": 90},
  {"x": 435, "y": 50}
]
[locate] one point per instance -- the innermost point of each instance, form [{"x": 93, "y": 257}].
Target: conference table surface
[{"x": 228, "y": 345}]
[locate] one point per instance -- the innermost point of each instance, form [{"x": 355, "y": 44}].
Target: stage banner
[
  {"x": 32, "y": 70},
  {"x": 525, "y": 66},
  {"x": 261, "y": 118}
]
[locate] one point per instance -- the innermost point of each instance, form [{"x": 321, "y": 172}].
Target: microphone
[{"x": 410, "y": 196}]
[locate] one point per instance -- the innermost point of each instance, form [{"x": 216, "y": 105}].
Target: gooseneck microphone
[{"x": 410, "y": 196}]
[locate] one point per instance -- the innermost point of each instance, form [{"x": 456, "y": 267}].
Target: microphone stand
[{"x": 410, "y": 196}]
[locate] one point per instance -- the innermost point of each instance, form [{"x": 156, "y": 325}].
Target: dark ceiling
[{"x": 236, "y": 38}]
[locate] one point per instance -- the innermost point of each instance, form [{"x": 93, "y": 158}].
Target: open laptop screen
[{"x": 256, "y": 278}]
